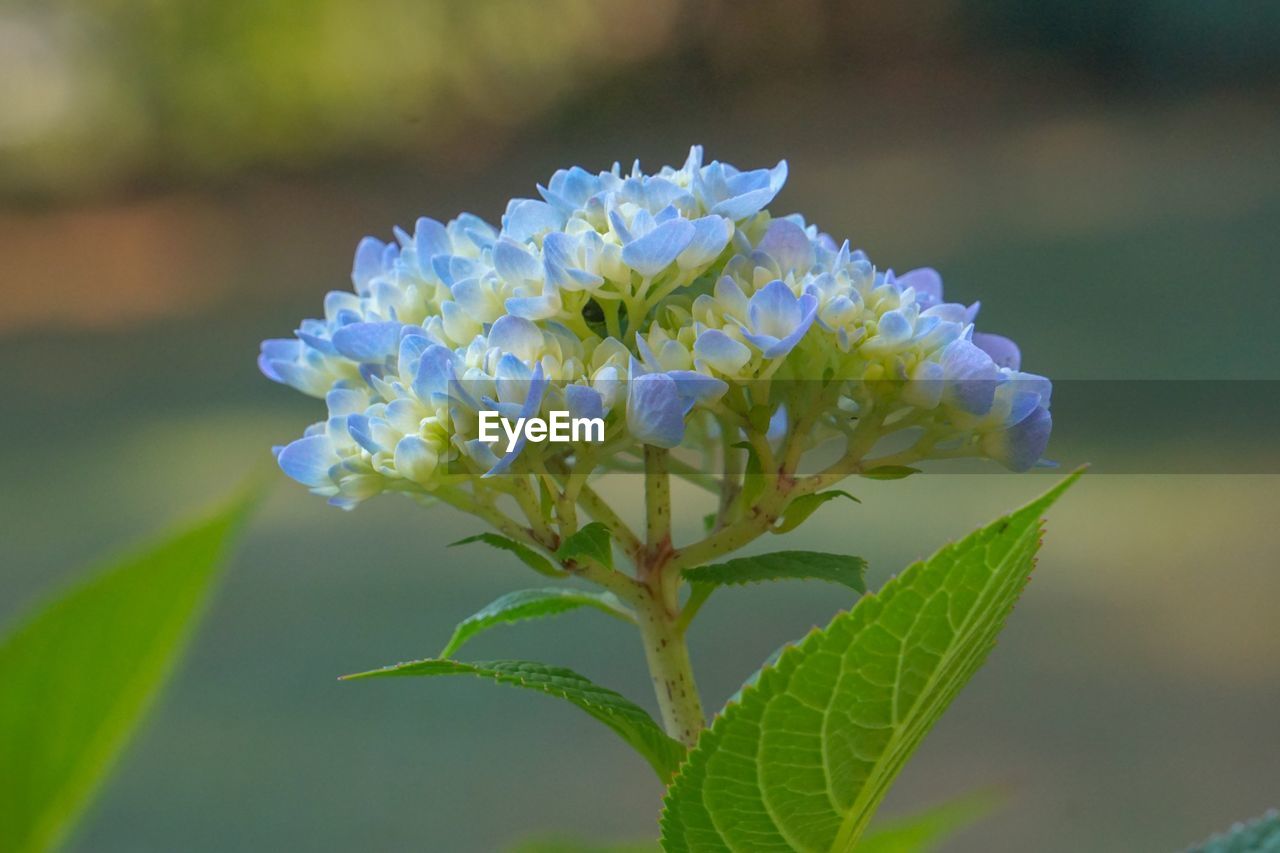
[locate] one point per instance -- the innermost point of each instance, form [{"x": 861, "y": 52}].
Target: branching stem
[
  {"x": 667, "y": 655},
  {"x": 657, "y": 505}
]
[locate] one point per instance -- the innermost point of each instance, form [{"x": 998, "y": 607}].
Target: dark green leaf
[
  {"x": 627, "y": 719},
  {"x": 532, "y": 604},
  {"x": 804, "y": 759},
  {"x": 784, "y": 565},
  {"x": 79, "y": 674},
  {"x": 1261, "y": 835},
  {"x": 804, "y": 506},
  {"x": 527, "y": 555},
  {"x": 591, "y": 542}
]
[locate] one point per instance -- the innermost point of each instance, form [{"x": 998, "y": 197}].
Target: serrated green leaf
[
  {"x": 627, "y": 719},
  {"x": 591, "y": 542},
  {"x": 784, "y": 565},
  {"x": 922, "y": 832},
  {"x": 804, "y": 506},
  {"x": 804, "y": 759},
  {"x": 79, "y": 675},
  {"x": 524, "y": 604},
  {"x": 526, "y": 555},
  {"x": 890, "y": 472},
  {"x": 754, "y": 677},
  {"x": 1261, "y": 835}
]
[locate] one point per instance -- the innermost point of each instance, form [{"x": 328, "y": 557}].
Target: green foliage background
[{"x": 1108, "y": 185}]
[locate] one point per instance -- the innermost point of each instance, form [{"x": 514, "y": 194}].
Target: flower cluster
[{"x": 674, "y": 306}]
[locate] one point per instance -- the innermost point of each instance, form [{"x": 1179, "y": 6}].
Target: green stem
[
  {"x": 595, "y": 507},
  {"x": 860, "y": 442},
  {"x": 758, "y": 518},
  {"x": 611, "y": 324},
  {"x": 667, "y": 654},
  {"x": 565, "y": 504},
  {"x": 731, "y": 483},
  {"x": 614, "y": 581},
  {"x": 522, "y": 491},
  {"x": 657, "y": 501},
  {"x": 698, "y": 595},
  {"x": 484, "y": 507},
  {"x": 658, "y": 610}
]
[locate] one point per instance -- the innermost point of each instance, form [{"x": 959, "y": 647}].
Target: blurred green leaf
[
  {"x": 804, "y": 759},
  {"x": 1261, "y": 835},
  {"x": 784, "y": 565},
  {"x": 532, "y": 604},
  {"x": 80, "y": 673},
  {"x": 627, "y": 719},
  {"x": 921, "y": 832},
  {"x": 805, "y": 505},
  {"x": 526, "y": 555},
  {"x": 591, "y": 542},
  {"x": 210, "y": 88}
]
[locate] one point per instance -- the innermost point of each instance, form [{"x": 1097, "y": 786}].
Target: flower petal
[
  {"x": 927, "y": 284},
  {"x": 721, "y": 351},
  {"x": 415, "y": 459},
  {"x": 711, "y": 235},
  {"x": 430, "y": 238},
  {"x": 1003, "y": 352},
  {"x": 583, "y": 401},
  {"x": 788, "y": 245},
  {"x": 774, "y": 310},
  {"x": 694, "y": 387},
  {"x": 532, "y": 402},
  {"x": 654, "y": 252},
  {"x": 308, "y": 460},
  {"x": 542, "y": 307},
  {"x": 368, "y": 342},
  {"x": 655, "y": 412},
  {"x": 367, "y": 262},
  {"x": 275, "y": 352},
  {"x": 436, "y": 370},
  {"x": 971, "y": 377},
  {"x": 808, "y": 305},
  {"x": 513, "y": 263},
  {"x": 516, "y": 335},
  {"x": 527, "y": 218},
  {"x": 1019, "y": 447}
]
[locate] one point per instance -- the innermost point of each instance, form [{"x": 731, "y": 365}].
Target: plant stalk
[
  {"x": 667, "y": 654},
  {"x": 657, "y": 492}
]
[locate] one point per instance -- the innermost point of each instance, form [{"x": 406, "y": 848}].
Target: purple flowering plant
[{"x": 696, "y": 336}]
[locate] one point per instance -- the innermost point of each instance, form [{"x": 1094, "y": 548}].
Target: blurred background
[{"x": 181, "y": 180}]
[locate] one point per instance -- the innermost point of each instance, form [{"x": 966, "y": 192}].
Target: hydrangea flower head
[{"x": 676, "y": 307}]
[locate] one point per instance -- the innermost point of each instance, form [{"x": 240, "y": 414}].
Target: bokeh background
[{"x": 179, "y": 180}]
